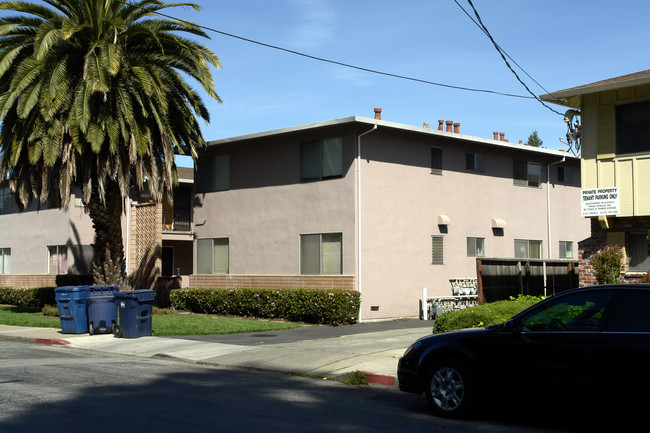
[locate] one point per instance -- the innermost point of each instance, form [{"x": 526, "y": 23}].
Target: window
[
  {"x": 566, "y": 249},
  {"x": 437, "y": 250},
  {"x": 436, "y": 160},
  {"x": 474, "y": 161},
  {"x": 637, "y": 252},
  {"x": 5, "y": 200},
  {"x": 213, "y": 173},
  {"x": 578, "y": 312},
  {"x": 527, "y": 174},
  {"x": 321, "y": 254},
  {"x": 526, "y": 249},
  {"x": 321, "y": 159},
  {"x": 630, "y": 313},
  {"x": 5, "y": 260},
  {"x": 564, "y": 174},
  {"x": 475, "y": 247},
  {"x": 633, "y": 127},
  {"x": 57, "y": 259},
  {"x": 212, "y": 256}
]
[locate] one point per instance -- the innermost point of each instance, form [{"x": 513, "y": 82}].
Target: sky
[{"x": 560, "y": 44}]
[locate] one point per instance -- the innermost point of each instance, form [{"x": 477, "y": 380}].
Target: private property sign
[{"x": 599, "y": 201}]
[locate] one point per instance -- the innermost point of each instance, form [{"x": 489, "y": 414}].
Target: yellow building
[{"x": 615, "y": 148}]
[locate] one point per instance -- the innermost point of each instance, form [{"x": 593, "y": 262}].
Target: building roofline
[
  {"x": 572, "y": 97},
  {"x": 391, "y": 125}
]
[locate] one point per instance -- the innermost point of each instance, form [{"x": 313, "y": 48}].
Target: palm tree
[{"x": 93, "y": 93}]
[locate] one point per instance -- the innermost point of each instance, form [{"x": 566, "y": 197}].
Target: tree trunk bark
[{"x": 108, "y": 264}]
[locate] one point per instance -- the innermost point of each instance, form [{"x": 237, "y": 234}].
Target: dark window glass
[
  {"x": 633, "y": 127},
  {"x": 630, "y": 313},
  {"x": 436, "y": 160}
]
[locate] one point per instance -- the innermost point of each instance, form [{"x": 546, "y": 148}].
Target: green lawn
[{"x": 166, "y": 324}]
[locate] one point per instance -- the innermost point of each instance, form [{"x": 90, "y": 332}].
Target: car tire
[{"x": 450, "y": 388}]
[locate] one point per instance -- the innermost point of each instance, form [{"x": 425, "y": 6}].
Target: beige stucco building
[
  {"x": 381, "y": 207},
  {"x": 615, "y": 141}
]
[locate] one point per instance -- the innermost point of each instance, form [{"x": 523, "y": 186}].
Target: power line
[
  {"x": 499, "y": 47},
  {"x": 334, "y": 62},
  {"x": 487, "y": 32}
]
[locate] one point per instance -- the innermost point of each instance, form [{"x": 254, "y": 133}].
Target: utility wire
[
  {"x": 499, "y": 47},
  {"x": 334, "y": 62},
  {"x": 487, "y": 32}
]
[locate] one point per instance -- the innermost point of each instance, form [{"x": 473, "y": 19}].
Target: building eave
[{"x": 390, "y": 125}]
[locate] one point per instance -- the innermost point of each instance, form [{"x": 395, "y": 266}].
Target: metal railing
[{"x": 177, "y": 220}]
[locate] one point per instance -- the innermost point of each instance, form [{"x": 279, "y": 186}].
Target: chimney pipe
[
  {"x": 378, "y": 113},
  {"x": 450, "y": 124},
  {"x": 440, "y": 123},
  {"x": 496, "y": 135},
  {"x": 425, "y": 125},
  {"x": 521, "y": 142},
  {"x": 457, "y": 128},
  {"x": 502, "y": 136}
]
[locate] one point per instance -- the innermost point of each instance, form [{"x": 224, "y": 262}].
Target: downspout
[
  {"x": 548, "y": 203},
  {"x": 359, "y": 212}
]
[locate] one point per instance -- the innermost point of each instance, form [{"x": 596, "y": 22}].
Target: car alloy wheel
[{"x": 449, "y": 389}]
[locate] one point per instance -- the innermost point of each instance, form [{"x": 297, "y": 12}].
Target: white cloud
[{"x": 315, "y": 23}]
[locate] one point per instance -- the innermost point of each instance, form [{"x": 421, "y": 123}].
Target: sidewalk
[{"x": 373, "y": 348}]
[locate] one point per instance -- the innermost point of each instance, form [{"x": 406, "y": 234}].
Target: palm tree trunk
[{"x": 108, "y": 263}]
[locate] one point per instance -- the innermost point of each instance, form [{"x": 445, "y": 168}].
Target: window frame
[
  {"x": 564, "y": 174},
  {"x": 5, "y": 261},
  {"x": 563, "y": 250},
  {"x": 631, "y": 250},
  {"x": 472, "y": 247},
  {"x": 627, "y": 136},
  {"x": 213, "y": 173},
  {"x": 61, "y": 252},
  {"x": 322, "y": 145},
  {"x": 200, "y": 263},
  {"x": 528, "y": 242},
  {"x": 522, "y": 176},
  {"x": 475, "y": 162},
  {"x": 322, "y": 262}
]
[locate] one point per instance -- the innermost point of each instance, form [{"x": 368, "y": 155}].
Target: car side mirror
[{"x": 509, "y": 326}]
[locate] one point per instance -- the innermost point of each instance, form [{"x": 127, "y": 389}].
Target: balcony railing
[{"x": 177, "y": 220}]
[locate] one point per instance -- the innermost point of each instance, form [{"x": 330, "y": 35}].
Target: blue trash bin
[
  {"x": 71, "y": 301},
  {"x": 135, "y": 310},
  {"x": 102, "y": 311}
]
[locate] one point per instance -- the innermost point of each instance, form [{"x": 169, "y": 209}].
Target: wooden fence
[{"x": 499, "y": 279}]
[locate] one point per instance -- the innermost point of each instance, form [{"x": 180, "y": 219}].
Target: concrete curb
[
  {"x": 379, "y": 379},
  {"x": 52, "y": 341}
]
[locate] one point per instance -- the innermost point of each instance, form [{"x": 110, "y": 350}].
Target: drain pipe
[
  {"x": 548, "y": 204},
  {"x": 359, "y": 212}
]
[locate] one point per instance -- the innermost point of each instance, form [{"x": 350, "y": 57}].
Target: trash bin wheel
[
  {"x": 117, "y": 331},
  {"x": 91, "y": 328}
]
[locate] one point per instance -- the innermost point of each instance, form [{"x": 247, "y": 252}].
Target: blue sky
[{"x": 560, "y": 44}]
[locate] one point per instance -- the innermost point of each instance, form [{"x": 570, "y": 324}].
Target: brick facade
[
  {"x": 598, "y": 240},
  {"x": 15, "y": 280},
  {"x": 273, "y": 281}
]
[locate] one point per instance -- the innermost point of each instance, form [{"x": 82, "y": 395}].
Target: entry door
[{"x": 167, "y": 261}]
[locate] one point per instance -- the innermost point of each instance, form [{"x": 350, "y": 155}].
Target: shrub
[
  {"x": 608, "y": 264},
  {"x": 489, "y": 314},
  {"x": 318, "y": 306},
  {"x": 27, "y": 296}
]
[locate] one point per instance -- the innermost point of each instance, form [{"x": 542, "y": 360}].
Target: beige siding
[
  {"x": 606, "y": 142},
  {"x": 643, "y": 185},
  {"x": 625, "y": 176}
]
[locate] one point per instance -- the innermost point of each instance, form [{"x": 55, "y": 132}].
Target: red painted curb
[
  {"x": 51, "y": 341},
  {"x": 381, "y": 379}
]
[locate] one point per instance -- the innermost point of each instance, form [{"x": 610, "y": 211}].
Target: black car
[{"x": 583, "y": 348}]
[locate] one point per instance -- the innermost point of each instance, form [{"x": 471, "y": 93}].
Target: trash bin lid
[
  {"x": 71, "y": 289},
  {"x": 140, "y": 295}
]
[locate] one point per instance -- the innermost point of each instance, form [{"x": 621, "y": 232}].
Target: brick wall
[
  {"x": 273, "y": 281},
  {"x": 598, "y": 240},
  {"x": 14, "y": 280}
]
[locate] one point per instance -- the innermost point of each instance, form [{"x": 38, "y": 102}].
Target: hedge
[
  {"x": 27, "y": 296},
  {"x": 317, "y": 306}
]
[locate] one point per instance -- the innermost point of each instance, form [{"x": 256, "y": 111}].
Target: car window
[
  {"x": 577, "y": 312},
  {"x": 630, "y": 313}
]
